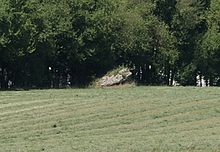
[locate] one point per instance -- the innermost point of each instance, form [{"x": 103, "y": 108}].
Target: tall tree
[
  {"x": 147, "y": 44},
  {"x": 208, "y": 54},
  {"x": 188, "y": 26}
]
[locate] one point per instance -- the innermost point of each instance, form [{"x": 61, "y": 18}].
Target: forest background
[{"x": 53, "y": 43}]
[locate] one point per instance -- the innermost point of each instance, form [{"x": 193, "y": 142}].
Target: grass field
[{"x": 133, "y": 119}]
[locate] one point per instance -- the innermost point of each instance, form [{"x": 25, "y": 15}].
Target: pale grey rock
[{"x": 121, "y": 77}]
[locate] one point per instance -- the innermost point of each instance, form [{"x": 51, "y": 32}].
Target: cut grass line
[
  {"x": 90, "y": 118},
  {"x": 134, "y": 125},
  {"x": 138, "y": 113},
  {"x": 113, "y": 119}
]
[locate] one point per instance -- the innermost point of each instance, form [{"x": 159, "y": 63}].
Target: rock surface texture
[{"x": 119, "y": 78}]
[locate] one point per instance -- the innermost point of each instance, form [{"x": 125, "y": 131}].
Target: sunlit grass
[{"x": 129, "y": 119}]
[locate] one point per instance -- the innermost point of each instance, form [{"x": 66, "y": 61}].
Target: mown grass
[{"x": 133, "y": 119}]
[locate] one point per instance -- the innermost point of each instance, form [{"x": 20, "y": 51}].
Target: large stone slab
[{"x": 119, "y": 78}]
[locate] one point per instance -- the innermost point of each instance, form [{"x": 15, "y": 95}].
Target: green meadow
[{"x": 120, "y": 119}]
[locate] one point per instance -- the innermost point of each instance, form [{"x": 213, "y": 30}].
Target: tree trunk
[
  {"x": 3, "y": 78},
  {"x": 172, "y": 78},
  {"x": 211, "y": 80},
  {"x": 206, "y": 82},
  {"x": 200, "y": 80},
  {"x": 168, "y": 76},
  {"x": 144, "y": 74}
]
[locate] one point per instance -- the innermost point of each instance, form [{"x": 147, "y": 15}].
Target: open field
[{"x": 133, "y": 119}]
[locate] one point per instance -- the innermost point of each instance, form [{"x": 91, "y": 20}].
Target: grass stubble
[{"x": 131, "y": 119}]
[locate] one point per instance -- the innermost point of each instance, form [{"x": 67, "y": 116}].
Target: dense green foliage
[
  {"x": 53, "y": 43},
  {"x": 131, "y": 119}
]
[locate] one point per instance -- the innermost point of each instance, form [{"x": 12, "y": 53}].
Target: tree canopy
[{"x": 53, "y": 43}]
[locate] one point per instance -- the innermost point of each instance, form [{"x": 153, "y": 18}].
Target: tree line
[{"x": 53, "y": 43}]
